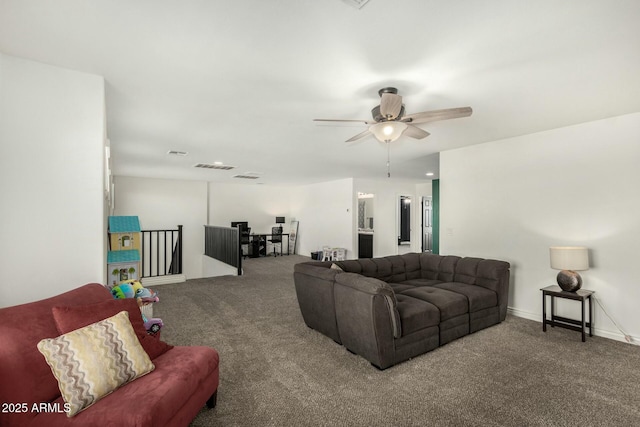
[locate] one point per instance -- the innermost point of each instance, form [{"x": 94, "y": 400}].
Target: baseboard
[
  {"x": 524, "y": 314},
  {"x": 163, "y": 280},
  {"x": 537, "y": 317}
]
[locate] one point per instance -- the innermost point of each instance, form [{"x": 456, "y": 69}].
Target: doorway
[
  {"x": 427, "y": 224},
  {"x": 365, "y": 225},
  {"x": 404, "y": 224}
]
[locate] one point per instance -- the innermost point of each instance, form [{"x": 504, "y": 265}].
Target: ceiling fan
[{"x": 390, "y": 121}]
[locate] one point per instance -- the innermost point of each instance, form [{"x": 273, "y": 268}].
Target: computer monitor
[
  {"x": 244, "y": 224},
  {"x": 279, "y": 220}
]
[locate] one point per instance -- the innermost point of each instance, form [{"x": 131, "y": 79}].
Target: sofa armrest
[
  {"x": 320, "y": 269},
  {"x": 494, "y": 275},
  {"x": 367, "y": 317},
  {"x": 314, "y": 283}
]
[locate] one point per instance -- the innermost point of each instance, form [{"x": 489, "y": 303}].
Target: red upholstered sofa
[{"x": 184, "y": 378}]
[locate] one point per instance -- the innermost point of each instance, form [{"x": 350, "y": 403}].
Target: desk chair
[
  {"x": 245, "y": 240},
  {"x": 276, "y": 237}
]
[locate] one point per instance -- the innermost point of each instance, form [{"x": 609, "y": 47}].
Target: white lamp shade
[
  {"x": 574, "y": 258},
  {"x": 388, "y": 131}
]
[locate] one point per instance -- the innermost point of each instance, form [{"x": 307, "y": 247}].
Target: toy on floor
[
  {"x": 153, "y": 324},
  {"x": 134, "y": 289}
]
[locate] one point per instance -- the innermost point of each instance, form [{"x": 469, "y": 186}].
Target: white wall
[
  {"x": 51, "y": 180},
  {"x": 257, "y": 204},
  {"x": 386, "y": 222},
  {"x": 164, "y": 204},
  {"x": 513, "y": 199},
  {"x": 327, "y": 212},
  {"x": 328, "y": 216}
]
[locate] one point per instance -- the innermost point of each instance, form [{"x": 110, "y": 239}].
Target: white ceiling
[{"x": 240, "y": 81}]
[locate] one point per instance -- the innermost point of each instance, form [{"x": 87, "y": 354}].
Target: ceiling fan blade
[
  {"x": 359, "y": 136},
  {"x": 390, "y": 105},
  {"x": 415, "y": 132},
  {"x": 366, "y": 122},
  {"x": 435, "y": 115}
]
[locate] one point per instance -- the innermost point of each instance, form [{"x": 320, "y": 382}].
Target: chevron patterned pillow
[{"x": 91, "y": 362}]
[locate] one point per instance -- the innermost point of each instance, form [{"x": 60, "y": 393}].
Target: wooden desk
[{"x": 259, "y": 239}]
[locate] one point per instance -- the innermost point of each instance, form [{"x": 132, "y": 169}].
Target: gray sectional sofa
[{"x": 393, "y": 308}]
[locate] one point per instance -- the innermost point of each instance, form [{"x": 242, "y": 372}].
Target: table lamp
[{"x": 569, "y": 259}]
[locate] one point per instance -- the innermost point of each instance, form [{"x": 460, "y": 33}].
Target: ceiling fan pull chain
[{"x": 388, "y": 161}]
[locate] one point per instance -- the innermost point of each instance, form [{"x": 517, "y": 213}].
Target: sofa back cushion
[
  {"x": 379, "y": 268},
  {"x": 390, "y": 269},
  {"x": 467, "y": 270},
  {"x": 71, "y": 318},
  {"x": 429, "y": 266},
  {"x": 383, "y": 269},
  {"x": 443, "y": 268},
  {"x": 397, "y": 273},
  {"x": 404, "y": 267},
  {"x": 493, "y": 274},
  {"x": 26, "y": 377},
  {"x": 438, "y": 267},
  {"x": 483, "y": 272},
  {"x": 351, "y": 266},
  {"x": 412, "y": 267}
]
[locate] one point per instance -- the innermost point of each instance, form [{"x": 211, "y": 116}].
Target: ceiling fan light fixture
[{"x": 388, "y": 131}]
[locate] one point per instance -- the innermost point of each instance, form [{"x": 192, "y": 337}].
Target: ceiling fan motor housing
[
  {"x": 375, "y": 112},
  {"x": 392, "y": 90}
]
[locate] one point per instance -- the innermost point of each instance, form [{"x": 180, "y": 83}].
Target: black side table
[{"x": 581, "y": 295}]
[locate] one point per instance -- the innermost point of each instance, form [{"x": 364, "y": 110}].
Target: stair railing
[{"x": 161, "y": 252}]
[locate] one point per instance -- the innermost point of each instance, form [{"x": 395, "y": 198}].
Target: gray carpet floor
[{"x": 274, "y": 371}]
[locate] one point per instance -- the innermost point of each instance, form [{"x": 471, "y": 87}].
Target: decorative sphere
[{"x": 569, "y": 280}]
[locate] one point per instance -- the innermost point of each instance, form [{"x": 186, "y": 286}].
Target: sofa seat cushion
[
  {"x": 450, "y": 304},
  {"x": 152, "y": 400},
  {"x": 416, "y": 314},
  {"x": 479, "y": 298},
  {"x": 399, "y": 287},
  {"x": 421, "y": 282}
]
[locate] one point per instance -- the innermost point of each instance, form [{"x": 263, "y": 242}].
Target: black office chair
[
  {"x": 276, "y": 237},
  {"x": 245, "y": 233}
]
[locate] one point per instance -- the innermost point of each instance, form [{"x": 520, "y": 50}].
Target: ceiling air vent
[
  {"x": 356, "y": 3},
  {"x": 210, "y": 166},
  {"x": 246, "y": 176}
]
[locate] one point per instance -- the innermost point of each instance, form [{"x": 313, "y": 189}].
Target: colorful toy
[
  {"x": 134, "y": 289},
  {"x": 146, "y": 293},
  {"x": 153, "y": 325},
  {"x": 136, "y": 285},
  {"x": 123, "y": 290},
  {"x": 117, "y": 293}
]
